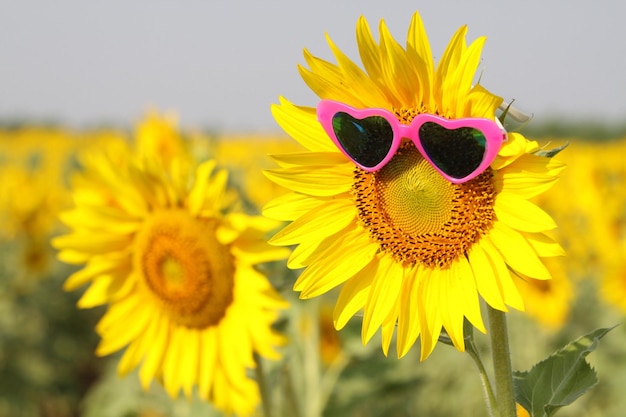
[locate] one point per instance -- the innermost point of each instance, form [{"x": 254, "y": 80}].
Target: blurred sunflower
[
  {"x": 613, "y": 282},
  {"x": 549, "y": 301},
  {"x": 158, "y": 137},
  {"x": 233, "y": 152},
  {"x": 412, "y": 250},
  {"x": 33, "y": 161},
  {"x": 177, "y": 271}
]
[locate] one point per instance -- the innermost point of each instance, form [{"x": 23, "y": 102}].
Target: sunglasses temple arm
[{"x": 516, "y": 114}]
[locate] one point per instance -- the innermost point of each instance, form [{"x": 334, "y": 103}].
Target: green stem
[
  {"x": 501, "y": 362},
  {"x": 291, "y": 398},
  {"x": 263, "y": 388},
  {"x": 492, "y": 405},
  {"x": 311, "y": 358}
]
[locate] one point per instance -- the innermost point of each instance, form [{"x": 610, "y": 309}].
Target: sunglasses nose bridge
[
  {"x": 410, "y": 132},
  {"x": 405, "y": 131}
]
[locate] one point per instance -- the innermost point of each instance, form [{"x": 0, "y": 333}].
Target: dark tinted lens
[
  {"x": 367, "y": 140},
  {"x": 457, "y": 152}
]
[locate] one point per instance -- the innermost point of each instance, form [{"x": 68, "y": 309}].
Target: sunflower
[
  {"x": 33, "y": 161},
  {"x": 549, "y": 301},
  {"x": 410, "y": 249},
  {"x": 177, "y": 270}
]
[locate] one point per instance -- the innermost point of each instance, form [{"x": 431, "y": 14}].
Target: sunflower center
[
  {"x": 184, "y": 268},
  {"x": 417, "y": 216}
]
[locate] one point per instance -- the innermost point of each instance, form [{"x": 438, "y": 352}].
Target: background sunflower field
[
  {"x": 74, "y": 79},
  {"x": 47, "y": 361}
]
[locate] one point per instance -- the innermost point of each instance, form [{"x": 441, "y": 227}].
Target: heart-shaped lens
[
  {"x": 367, "y": 141},
  {"x": 457, "y": 152}
]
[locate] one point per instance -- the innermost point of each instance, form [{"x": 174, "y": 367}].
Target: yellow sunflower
[
  {"x": 549, "y": 301},
  {"x": 410, "y": 249},
  {"x": 177, "y": 271}
]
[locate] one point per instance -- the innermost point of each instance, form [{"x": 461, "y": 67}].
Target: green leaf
[{"x": 559, "y": 379}]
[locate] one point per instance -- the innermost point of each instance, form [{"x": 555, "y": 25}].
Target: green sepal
[
  {"x": 559, "y": 379},
  {"x": 549, "y": 153}
]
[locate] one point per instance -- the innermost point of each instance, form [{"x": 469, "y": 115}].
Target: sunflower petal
[
  {"x": 486, "y": 282},
  {"x": 291, "y": 206},
  {"x": 332, "y": 271},
  {"x": 152, "y": 363},
  {"x": 408, "y": 321},
  {"x": 354, "y": 294},
  {"x": 301, "y": 124},
  {"x": 543, "y": 245},
  {"x": 321, "y": 182},
  {"x": 382, "y": 297},
  {"x": 326, "y": 221},
  {"x": 521, "y": 214},
  {"x": 208, "y": 363},
  {"x": 420, "y": 55},
  {"x": 510, "y": 293},
  {"x": 428, "y": 312},
  {"x": 517, "y": 252},
  {"x": 449, "y": 294}
]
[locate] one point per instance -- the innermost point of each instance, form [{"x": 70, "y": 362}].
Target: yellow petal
[
  {"x": 544, "y": 245},
  {"x": 99, "y": 292},
  {"x": 420, "y": 55},
  {"x": 468, "y": 293},
  {"x": 317, "y": 225},
  {"x": 399, "y": 75},
  {"x": 521, "y": 214},
  {"x": 313, "y": 158},
  {"x": 354, "y": 294},
  {"x": 517, "y": 252},
  {"x": 332, "y": 270},
  {"x": 172, "y": 375},
  {"x": 197, "y": 194},
  {"x": 92, "y": 243},
  {"x": 301, "y": 124},
  {"x": 487, "y": 283},
  {"x": 382, "y": 297},
  {"x": 152, "y": 363},
  {"x": 258, "y": 252},
  {"x": 122, "y": 331},
  {"x": 510, "y": 293},
  {"x": 369, "y": 51},
  {"x": 138, "y": 348},
  {"x": 446, "y": 102},
  {"x": 481, "y": 103},
  {"x": 301, "y": 255},
  {"x": 190, "y": 360},
  {"x": 96, "y": 267},
  {"x": 70, "y": 256},
  {"x": 323, "y": 182},
  {"x": 523, "y": 184},
  {"x": 291, "y": 206},
  {"x": 463, "y": 77},
  {"x": 325, "y": 79},
  {"x": 208, "y": 362},
  {"x": 408, "y": 321},
  {"x": 450, "y": 304},
  {"x": 389, "y": 327},
  {"x": 109, "y": 219},
  {"x": 364, "y": 89},
  {"x": 230, "y": 362},
  {"x": 428, "y": 311}
]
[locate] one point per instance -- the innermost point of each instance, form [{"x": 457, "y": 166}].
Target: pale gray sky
[{"x": 221, "y": 64}]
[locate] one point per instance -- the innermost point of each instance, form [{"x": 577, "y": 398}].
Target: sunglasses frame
[{"x": 493, "y": 131}]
